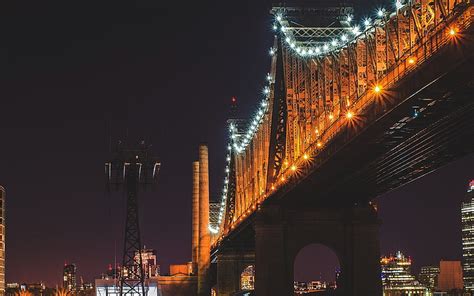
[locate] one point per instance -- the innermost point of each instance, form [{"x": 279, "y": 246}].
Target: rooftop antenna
[{"x": 128, "y": 170}]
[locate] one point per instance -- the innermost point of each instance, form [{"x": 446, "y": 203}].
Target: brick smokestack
[
  {"x": 204, "y": 234},
  {"x": 195, "y": 247}
]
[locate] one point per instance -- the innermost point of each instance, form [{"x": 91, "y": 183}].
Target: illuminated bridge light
[
  {"x": 377, "y": 89},
  {"x": 319, "y": 144},
  {"x": 349, "y": 114},
  {"x": 453, "y": 31},
  {"x": 331, "y": 116},
  {"x": 293, "y": 168},
  {"x": 273, "y": 187},
  {"x": 411, "y": 60},
  {"x": 282, "y": 178},
  {"x": 305, "y": 156}
]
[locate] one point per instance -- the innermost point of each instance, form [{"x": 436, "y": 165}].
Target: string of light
[
  {"x": 225, "y": 190},
  {"x": 336, "y": 44}
]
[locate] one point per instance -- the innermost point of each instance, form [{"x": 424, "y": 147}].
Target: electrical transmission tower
[{"x": 128, "y": 170}]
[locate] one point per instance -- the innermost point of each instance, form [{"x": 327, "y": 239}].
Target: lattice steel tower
[{"x": 128, "y": 170}]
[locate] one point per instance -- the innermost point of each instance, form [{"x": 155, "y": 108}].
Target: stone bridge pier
[
  {"x": 352, "y": 233},
  {"x": 230, "y": 265}
]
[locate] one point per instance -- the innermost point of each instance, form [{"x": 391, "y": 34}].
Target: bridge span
[{"x": 352, "y": 110}]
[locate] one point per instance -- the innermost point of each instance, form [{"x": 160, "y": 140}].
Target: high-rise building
[
  {"x": 467, "y": 220},
  {"x": 450, "y": 276},
  {"x": 69, "y": 277},
  {"x": 397, "y": 278},
  {"x": 429, "y": 276},
  {"x": 2, "y": 240}
]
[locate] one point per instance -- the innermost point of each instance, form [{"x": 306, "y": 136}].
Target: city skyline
[{"x": 88, "y": 85}]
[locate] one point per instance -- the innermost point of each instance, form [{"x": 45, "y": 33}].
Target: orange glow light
[
  {"x": 411, "y": 60},
  {"x": 305, "y": 156},
  {"x": 319, "y": 144},
  {"x": 349, "y": 114},
  {"x": 293, "y": 168},
  {"x": 331, "y": 116},
  {"x": 453, "y": 31},
  {"x": 377, "y": 89}
]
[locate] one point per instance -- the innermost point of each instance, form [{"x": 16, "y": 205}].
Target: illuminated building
[
  {"x": 247, "y": 278},
  {"x": 397, "y": 278},
  {"x": 429, "y": 276},
  {"x": 2, "y": 240},
  {"x": 150, "y": 268},
  {"x": 69, "y": 277},
  {"x": 467, "y": 220},
  {"x": 450, "y": 276}
]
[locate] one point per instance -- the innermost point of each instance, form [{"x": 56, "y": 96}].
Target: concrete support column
[
  {"x": 230, "y": 266},
  {"x": 195, "y": 218},
  {"x": 204, "y": 234},
  {"x": 273, "y": 272},
  {"x": 361, "y": 255}
]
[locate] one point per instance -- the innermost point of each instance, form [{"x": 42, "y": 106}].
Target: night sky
[{"x": 76, "y": 76}]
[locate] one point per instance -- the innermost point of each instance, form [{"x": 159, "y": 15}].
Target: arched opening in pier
[{"x": 316, "y": 270}]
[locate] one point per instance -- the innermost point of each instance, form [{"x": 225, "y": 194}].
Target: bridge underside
[{"x": 430, "y": 125}]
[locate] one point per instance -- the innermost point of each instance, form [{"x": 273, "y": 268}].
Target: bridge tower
[{"x": 129, "y": 169}]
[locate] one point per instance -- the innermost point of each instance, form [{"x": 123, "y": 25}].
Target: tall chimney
[
  {"x": 195, "y": 248},
  {"x": 204, "y": 234}
]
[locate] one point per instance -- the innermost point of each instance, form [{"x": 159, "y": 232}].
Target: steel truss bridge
[{"x": 352, "y": 109}]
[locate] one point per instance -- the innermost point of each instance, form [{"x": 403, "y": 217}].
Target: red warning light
[{"x": 234, "y": 99}]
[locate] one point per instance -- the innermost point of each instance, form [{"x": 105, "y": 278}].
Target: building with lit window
[
  {"x": 69, "y": 277},
  {"x": 397, "y": 279},
  {"x": 428, "y": 276},
  {"x": 467, "y": 221},
  {"x": 247, "y": 279},
  {"x": 2, "y": 240},
  {"x": 150, "y": 267}
]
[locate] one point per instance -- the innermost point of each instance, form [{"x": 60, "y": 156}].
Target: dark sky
[{"x": 165, "y": 72}]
